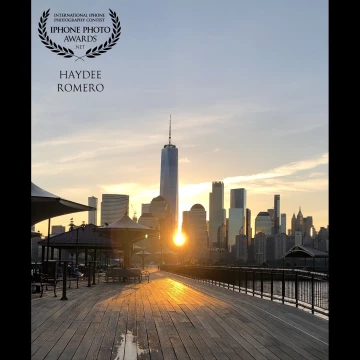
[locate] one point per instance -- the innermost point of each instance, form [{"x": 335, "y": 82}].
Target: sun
[{"x": 179, "y": 239}]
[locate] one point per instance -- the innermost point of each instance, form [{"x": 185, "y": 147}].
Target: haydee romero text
[{"x": 80, "y": 75}]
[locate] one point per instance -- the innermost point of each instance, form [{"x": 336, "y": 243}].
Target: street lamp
[{"x": 82, "y": 226}]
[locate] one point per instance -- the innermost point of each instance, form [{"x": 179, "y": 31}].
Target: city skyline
[{"x": 248, "y": 99}]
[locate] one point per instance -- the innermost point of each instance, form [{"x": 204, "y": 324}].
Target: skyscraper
[
  {"x": 236, "y": 225},
  {"x": 194, "y": 226},
  {"x": 217, "y": 216},
  {"x": 145, "y": 208},
  {"x": 57, "y": 229},
  {"x": 92, "y": 215},
  {"x": 263, "y": 223},
  {"x": 248, "y": 226},
  {"x": 283, "y": 224},
  {"x": 160, "y": 209},
  {"x": 238, "y": 198},
  {"x": 113, "y": 207},
  {"x": 272, "y": 217},
  {"x": 237, "y": 215},
  {"x": 276, "y": 214},
  {"x": 169, "y": 178}
]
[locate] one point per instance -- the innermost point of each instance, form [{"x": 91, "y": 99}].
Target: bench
[
  {"x": 40, "y": 281},
  {"x": 125, "y": 274},
  {"x": 112, "y": 273},
  {"x": 145, "y": 274},
  {"x": 69, "y": 279}
]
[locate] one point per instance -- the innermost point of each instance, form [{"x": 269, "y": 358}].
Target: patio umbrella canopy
[
  {"x": 142, "y": 253},
  {"x": 165, "y": 252},
  {"x": 45, "y": 205}
]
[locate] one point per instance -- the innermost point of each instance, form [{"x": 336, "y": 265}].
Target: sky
[{"x": 245, "y": 82}]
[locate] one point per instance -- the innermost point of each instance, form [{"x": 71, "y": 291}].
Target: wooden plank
[
  {"x": 108, "y": 338},
  {"x": 171, "y": 318},
  {"x": 291, "y": 349},
  {"x": 207, "y": 345},
  {"x": 143, "y": 351},
  {"x": 154, "y": 345},
  {"x": 107, "y": 306},
  {"x": 131, "y": 334},
  {"x": 189, "y": 345},
  {"x": 119, "y": 333}
]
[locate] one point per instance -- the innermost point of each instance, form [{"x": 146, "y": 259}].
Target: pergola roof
[
  {"x": 302, "y": 251},
  {"x": 86, "y": 238}
]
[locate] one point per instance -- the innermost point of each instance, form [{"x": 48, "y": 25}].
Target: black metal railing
[{"x": 304, "y": 289}]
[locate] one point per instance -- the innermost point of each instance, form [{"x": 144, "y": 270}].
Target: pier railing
[{"x": 304, "y": 289}]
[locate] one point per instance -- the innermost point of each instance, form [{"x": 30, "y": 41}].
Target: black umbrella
[{"x": 45, "y": 205}]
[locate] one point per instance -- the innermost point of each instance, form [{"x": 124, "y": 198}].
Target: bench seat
[{"x": 126, "y": 274}]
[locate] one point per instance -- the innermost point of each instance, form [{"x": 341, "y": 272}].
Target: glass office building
[
  {"x": 263, "y": 223},
  {"x": 169, "y": 178},
  {"x": 238, "y": 198},
  {"x": 113, "y": 207},
  {"x": 276, "y": 214}
]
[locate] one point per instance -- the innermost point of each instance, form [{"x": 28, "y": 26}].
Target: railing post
[
  {"x": 253, "y": 282},
  {"x": 312, "y": 294},
  {"x": 271, "y": 285},
  {"x": 283, "y": 287},
  {"x": 233, "y": 278},
  {"x": 227, "y": 270},
  {"x": 296, "y": 290},
  {"x": 262, "y": 280},
  {"x": 246, "y": 282},
  {"x": 240, "y": 272}
]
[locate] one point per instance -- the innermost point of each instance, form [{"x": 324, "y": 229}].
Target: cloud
[
  {"x": 141, "y": 194},
  {"x": 268, "y": 182},
  {"x": 284, "y": 170},
  {"x": 317, "y": 174},
  {"x": 184, "y": 160},
  {"x": 297, "y": 130},
  {"x": 216, "y": 149}
]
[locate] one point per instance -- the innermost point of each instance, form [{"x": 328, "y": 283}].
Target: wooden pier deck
[{"x": 171, "y": 318}]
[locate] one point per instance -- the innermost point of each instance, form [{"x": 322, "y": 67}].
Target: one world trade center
[{"x": 169, "y": 178}]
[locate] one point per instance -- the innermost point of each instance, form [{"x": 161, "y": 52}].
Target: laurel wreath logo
[{"x": 68, "y": 53}]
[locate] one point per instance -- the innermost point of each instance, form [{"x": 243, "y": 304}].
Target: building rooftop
[
  {"x": 263, "y": 213},
  {"x": 197, "y": 206}
]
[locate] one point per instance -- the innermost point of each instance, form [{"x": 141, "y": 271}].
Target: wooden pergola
[{"x": 302, "y": 251}]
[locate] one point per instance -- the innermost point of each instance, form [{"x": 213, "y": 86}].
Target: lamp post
[
  {"x": 47, "y": 247},
  {"x": 82, "y": 226}
]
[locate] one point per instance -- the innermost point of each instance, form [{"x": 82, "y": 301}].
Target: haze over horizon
[{"x": 245, "y": 82}]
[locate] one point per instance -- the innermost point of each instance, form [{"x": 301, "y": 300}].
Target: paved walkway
[{"x": 171, "y": 317}]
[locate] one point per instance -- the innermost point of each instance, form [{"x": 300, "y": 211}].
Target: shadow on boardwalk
[{"x": 171, "y": 317}]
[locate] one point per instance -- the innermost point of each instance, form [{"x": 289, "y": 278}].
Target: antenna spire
[{"x": 170, "y": 131}]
